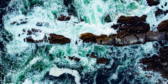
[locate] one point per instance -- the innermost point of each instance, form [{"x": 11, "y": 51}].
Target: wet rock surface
[
  {"x": 67, "y": 2},
  {"x": 88, "y": 37},
  {"x": 92, "y": 55},
  {"x": 163, "y": 26},
  {"x": 153, "y": 2},
  {"x": 160, "y": 13},
  {"x": 102, "y": 60},
  {"x": 157, "y": 63},
  {"x": 32, "y": 31},
  {"x": 107, "y": 18},
  {"x": 31, "y": 40},
  {"x": 131, "y": 30},
  {"x": 138, "y": 28},
  {"x": 21, "y": 22},
  {"x": 74, "y": 58},
  {"x": 54, "y": 38},
  {"x": 131, "y": 19},
  {"x": 116, "y": 26},
  {"x": 12, "y": 23},
  {"x": 51, "y": 38},
  {"x": 125, "y": 38},
  {"x": 63, "y": 18}
]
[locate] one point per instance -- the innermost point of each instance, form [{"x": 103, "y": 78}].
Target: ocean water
[{"x": 44, "y": 63}]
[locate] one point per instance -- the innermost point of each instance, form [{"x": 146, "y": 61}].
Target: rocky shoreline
[
  {"x": 157, "y": 63},
  {"x": 130, "y": 30},
  {"x": 134, "y": 30}
]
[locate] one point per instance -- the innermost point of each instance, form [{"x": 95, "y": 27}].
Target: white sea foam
[
  {"x": 59, "y": 71},
  {"x": 93, "y": 12}
]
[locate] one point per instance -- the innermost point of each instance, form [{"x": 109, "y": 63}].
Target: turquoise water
[{"x": 29, "y": 63}]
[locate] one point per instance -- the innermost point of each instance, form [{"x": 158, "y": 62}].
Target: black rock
[{"x": 153, "y": 2}]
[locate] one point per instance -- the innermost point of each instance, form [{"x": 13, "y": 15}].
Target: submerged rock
[
  {"x": 63, "y": 18},
  {"x": 116, "y": 26},
  {"x": 32, "y": 31},
  {"x": 74, "y": 58},
  {"x": 52, "y": 38},
  {"x": 72, "y": 10},
  {"x": 122, "y": 34},
  {"x": 102, "y": 60},
  {"x": 67, "y": 2},
  {"x": 131, "y": 19},
  {"x": 102, "y": 39},
  {"x": 35, "y": 30},
  {"x": 42, "y": 24},
  {"x": 153, "y": 2},
  {"x": 31, "y": 40},
  {"x": 157, "y": 63},
  {"x": 160, "y": 13},
  {"x": 23, "y": 22},
  {"x": 12, "y": 23},
  {"x": 93, "y": 55},
  {"x": 107, "y": 18},
  {"x": 164, "y": 53},
  {"x": 163, "y": 26}
]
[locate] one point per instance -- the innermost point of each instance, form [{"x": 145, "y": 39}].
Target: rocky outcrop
[
  {"x": 54, "y": 38},
  {"x": 163, "y": 26},
  {"x": 88, "y": 37},
  {"x": 32, "y": 31},
  {"x": 92, "y": 55},
  {"x": 124, "y": 38},
  {"x": 102, "y": 39},
  {"x": 160, "y": 13},
  {"x": 51, "y": 38},
  {"x": 138, "y": 28},
  {"x": 102, "y": 60},
  {"x": 131, "y": 19},
  {"x": 22, "y": 21},
  {"x": 74, "y": 58},
  {"x": 155, "y": 36},
  {"x": 132, "y": 24},
  {"x": 116, "y": 26},
  {"x": 157, "y": 63},
  {"x": 63, "y": 18},
  {"x": 14, "y": 22},
  {"x": 107, "y": 18},
  {"x": 131, "y": 30},
  {"x": 31, "y": 40},
  {"x": 153, "y": 2}
]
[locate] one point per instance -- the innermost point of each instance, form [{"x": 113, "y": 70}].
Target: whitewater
[{"x": 44, "y": 63}]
